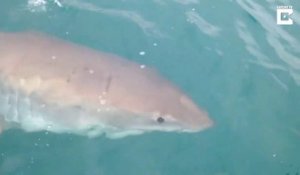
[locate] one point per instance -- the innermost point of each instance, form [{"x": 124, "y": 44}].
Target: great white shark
[{"x": 54, "y": 85}]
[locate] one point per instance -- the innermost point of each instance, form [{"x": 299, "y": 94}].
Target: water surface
[{"x": 230, "y": 56}]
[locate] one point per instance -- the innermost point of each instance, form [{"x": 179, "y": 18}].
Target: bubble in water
[
  {"x": 31, "y": 160},
  {"x": 142, "y": 52},
  {"x": 91, "y": 71},
  {"x": 22, "y": 81},
  {"x": 102, "y": 102}
]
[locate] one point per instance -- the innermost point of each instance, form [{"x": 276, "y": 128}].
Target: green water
[{"x": 230, "y": 56}]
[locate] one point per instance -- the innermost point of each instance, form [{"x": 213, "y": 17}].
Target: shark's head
[
  {"x": 176, "y": 115},
  {"x": 157, "y": 105},
  {"x": 180, "y": 115}
]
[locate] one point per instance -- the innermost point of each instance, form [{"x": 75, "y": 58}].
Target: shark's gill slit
[{"x": 108, "y": 83}]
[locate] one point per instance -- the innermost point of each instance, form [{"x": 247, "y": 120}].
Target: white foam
[
  {"x": 204, "y": 26},
  {"x": 284, "y": 44},
  {"x": 147, "y": 26},
  {"x": 37, "y": 5}
]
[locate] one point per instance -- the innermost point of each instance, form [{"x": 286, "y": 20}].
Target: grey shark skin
[{"x": 50, "y": 84}]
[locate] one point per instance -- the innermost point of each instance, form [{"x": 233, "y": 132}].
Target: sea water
[{"x": 230, "y": 56}]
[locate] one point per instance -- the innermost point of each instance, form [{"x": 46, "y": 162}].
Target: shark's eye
[{"x": 160, "y": 120}]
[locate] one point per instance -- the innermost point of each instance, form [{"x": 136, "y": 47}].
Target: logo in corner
[{"x": 284, "y": 15}]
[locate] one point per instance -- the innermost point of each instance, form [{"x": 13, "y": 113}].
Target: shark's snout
[{"x": 195, "y": 119}]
